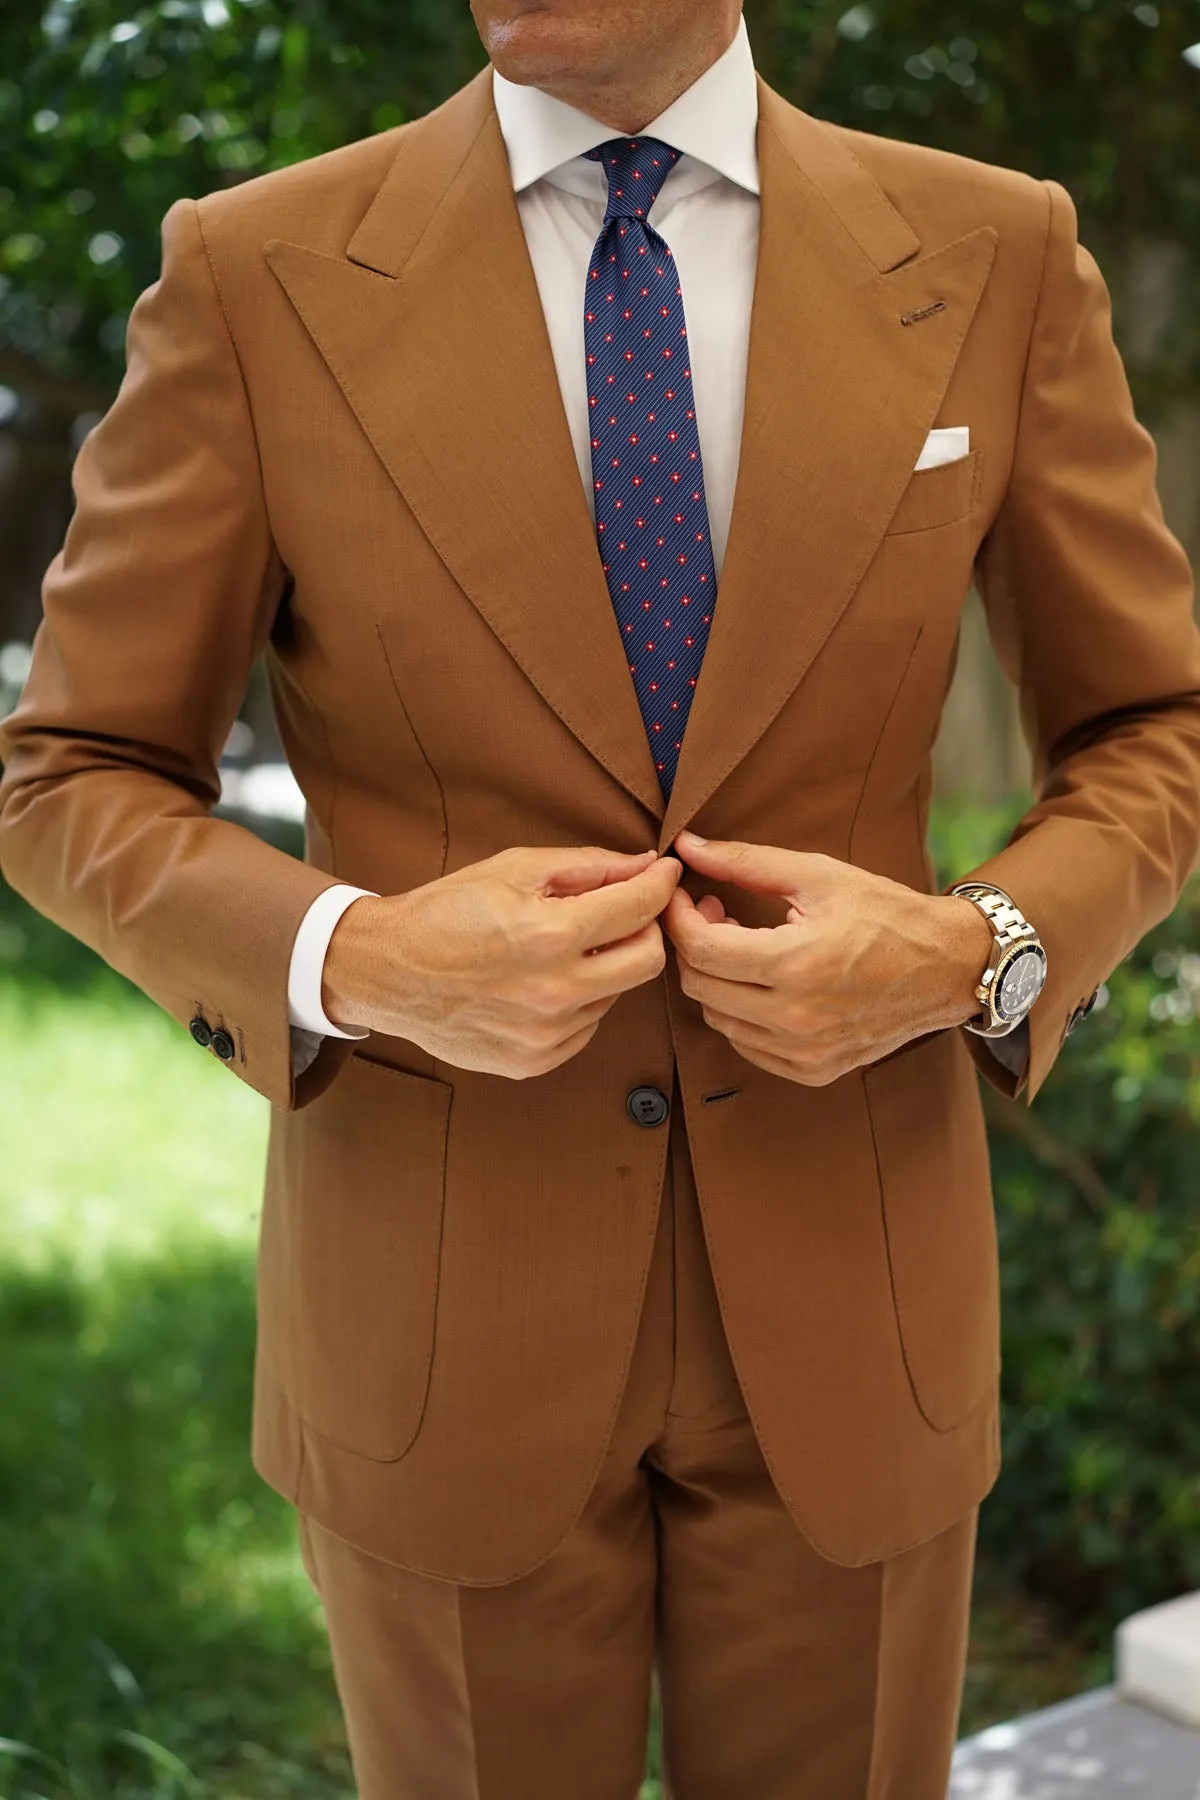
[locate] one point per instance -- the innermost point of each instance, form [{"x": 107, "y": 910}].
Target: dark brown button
[
  {"x": 647, "y": 1105},
  {"x": 201, "y": 1031},
  {"x": 1082, "y": 1011},
  {"x": 222, "y": 1043}
]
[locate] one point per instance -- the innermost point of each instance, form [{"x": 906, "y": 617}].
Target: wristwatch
[{"x": 1016, "y": 971}]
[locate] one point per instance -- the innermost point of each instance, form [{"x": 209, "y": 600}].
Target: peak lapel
[
  {"x": 433, "y": 328},
  {"x": 839, "y": 398}
]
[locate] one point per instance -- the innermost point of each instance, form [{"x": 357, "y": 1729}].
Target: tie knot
[{"x": 636, "y": 169}]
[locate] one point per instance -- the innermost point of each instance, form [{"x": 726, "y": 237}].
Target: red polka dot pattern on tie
[{"x": 647, "y": 478}]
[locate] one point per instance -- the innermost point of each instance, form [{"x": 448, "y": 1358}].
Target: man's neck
[{"x": 629, "y": 107}]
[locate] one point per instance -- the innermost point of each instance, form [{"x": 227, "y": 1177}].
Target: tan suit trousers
[{"x": 782, "y": 1676}]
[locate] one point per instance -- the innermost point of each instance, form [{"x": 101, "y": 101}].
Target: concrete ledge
[
  {"x": 1098, "y": 1746},
  {"x": 1158, "y": 1658}
]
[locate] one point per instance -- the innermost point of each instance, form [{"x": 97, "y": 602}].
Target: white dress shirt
[{"x": 707, "y": 210}]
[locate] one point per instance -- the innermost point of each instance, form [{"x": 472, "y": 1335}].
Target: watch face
[{"x": 1021, "y": 984}]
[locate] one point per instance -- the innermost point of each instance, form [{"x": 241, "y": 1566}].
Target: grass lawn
[{"x": 157, "y": 1635}]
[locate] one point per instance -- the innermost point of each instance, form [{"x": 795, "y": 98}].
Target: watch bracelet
[
  {"x": 1009, "y": 927},
  {"x": 1008, "y": 922}
]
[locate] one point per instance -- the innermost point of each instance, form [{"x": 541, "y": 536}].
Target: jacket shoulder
[
  {"x": 320, "y": 200},
  {"x": 943, "y": 193}
]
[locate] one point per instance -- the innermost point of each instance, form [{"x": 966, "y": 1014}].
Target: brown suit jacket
[{"x": 315, "y": 453}]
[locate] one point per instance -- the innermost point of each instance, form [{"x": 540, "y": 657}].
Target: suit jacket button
[
  {"x": 647, "y": 1105},
  {"x": 201, "y": 1031},
  {"x": 222, "y": 1043}
]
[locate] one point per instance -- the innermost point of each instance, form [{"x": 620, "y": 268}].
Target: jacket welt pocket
[
  {"x": 354, "y": 1252},
  {"x": 938, "y": 496}
]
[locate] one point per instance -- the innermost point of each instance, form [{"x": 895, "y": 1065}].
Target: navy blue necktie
[{"x": 651, "y": 513}]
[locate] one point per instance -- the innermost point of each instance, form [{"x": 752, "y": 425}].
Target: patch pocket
[
  {"x": 935, "y": 1185},
  {"x": 354, "y": 1258},
  {"x": 939, "y": 496}
]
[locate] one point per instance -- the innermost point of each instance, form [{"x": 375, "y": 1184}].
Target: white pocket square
[{"x": 949, "y": 443}]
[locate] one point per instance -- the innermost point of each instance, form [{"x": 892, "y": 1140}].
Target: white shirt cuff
[{"x": 305, "y": 1010}]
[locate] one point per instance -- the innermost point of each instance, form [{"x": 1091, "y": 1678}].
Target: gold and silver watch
[{"x": 1016, "y": 971}]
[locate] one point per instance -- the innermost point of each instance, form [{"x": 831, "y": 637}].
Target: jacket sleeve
[
  {"x": 1089, "y": 600},
  {"x": 155, "y": 608}
]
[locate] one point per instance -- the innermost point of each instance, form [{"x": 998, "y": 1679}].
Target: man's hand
[
  {"x": 860, "y": 966},
  {"x": 507, "y": 965}
]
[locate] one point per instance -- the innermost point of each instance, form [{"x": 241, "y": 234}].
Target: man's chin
[{"x": 540, "y": 49}]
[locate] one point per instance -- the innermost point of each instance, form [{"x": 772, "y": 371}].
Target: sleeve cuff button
[{"x": 1081, "y": 1012}]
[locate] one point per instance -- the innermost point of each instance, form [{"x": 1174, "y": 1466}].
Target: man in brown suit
[{"x": 628, "y": 1283}]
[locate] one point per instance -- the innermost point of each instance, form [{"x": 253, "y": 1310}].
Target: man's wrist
[
  {"x": 345, "y": 959},
  {"x": 966, "y": 944}
]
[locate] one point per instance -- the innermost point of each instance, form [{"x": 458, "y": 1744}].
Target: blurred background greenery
[{"x": 157, "y": 1637}]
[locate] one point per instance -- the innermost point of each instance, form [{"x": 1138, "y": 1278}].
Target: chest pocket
[{"x": 939, "y": 496}]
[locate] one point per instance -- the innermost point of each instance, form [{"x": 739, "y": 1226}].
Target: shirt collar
[{"x": 715, "y": 120}]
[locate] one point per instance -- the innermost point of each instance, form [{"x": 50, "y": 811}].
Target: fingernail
[{"x": 695, "y": 837}]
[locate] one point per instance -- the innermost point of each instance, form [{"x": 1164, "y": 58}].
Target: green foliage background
[{"x": 110, "y": 110}]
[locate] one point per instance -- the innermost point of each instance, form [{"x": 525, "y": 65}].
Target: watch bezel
[{"x": 1003, "y": 967}]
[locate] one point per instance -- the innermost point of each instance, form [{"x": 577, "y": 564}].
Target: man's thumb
[{"x": 759, "y": 868}]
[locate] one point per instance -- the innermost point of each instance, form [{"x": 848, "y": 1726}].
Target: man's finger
[
  {"x": 746, "y": 1004},
  {"x": 709, "y": 905},
  {"x": 721, "y": 947}
]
